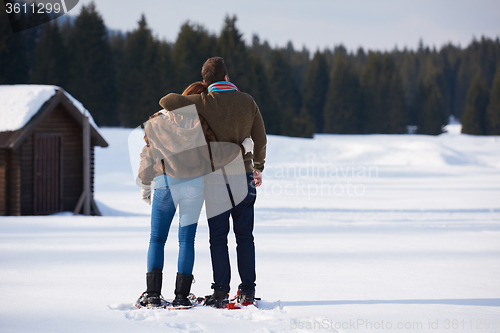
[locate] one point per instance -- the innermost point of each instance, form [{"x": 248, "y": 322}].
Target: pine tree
[
  {"x": 465, "y": 74},
  {"x": 392, "y": 98},
  {"x": 316, "y": 86},
  {"x": 432, "y": 108},
  {"x": 409, "y": 80},
  {"x": 117, "y": 44},
  {"x": 262, "y": 50},
  {"x": 360, "y": 60},
  {"x": 141, "y": 82},
  {"x": 373, "y": 109},
  {"x": 342, "y": 111},
  {"x": 474, "y": 116},
  {"x": 449, "y": 66},
  {"x": 430, "y": 120},
  {"x": 479, "y": 57},
  {"x": 303, "y": 125},
  {"x": 283, "y": 121},
  {"x": 194, "y": 45},
  {"x": 262, "y": 94},
  {"x": 493, "y": 111},
  {"x": 231, "y": 47},
  {"x": 13, "y": 54},
  {"x": 299, "y": 62},
  {"x": 33, "y": 35},
  {"x": 384, "y": 108},
  {"x": 165, "y": 67},
  {"x": 487, "y": 60},
  {"x": 92, "y": 79},
  {"x": 51, "y": 58},
  {"x": 247, "y": 71}
]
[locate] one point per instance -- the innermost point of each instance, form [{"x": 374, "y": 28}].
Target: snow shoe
[
  {"x": 219, "y": 299},
  {"x": 152, "y": 297},
  {"x": 246, "y": 298},
  {"x": 191, "y": 301},
  {"x": 151, "y": 301},
  {"x": 241, "y": 300}
]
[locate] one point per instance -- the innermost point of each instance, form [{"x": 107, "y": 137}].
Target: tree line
[{"x": 120, "y": 77}]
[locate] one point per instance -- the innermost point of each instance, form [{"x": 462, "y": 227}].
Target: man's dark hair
[{"x": 214, "y": 70}]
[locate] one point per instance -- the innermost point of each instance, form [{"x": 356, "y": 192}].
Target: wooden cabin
[{"x": 42, "y": 163}]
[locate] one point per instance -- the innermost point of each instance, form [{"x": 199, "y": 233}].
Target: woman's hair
[
  {"x": 195, "y": 88},
  {"x": 192, "y": 89}
]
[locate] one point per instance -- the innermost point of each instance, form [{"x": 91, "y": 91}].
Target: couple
[{"x": 199, "y": 141}]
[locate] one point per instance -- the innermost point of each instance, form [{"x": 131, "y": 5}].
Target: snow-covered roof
[{"x": 20, "y": 102}]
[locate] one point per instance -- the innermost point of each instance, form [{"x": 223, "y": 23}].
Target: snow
[
  {"x": 354, "y": 233},
  {"x": 19, "y": 103}
]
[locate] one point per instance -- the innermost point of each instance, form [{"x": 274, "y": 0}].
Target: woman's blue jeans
[{"x": 190, "y": 200}]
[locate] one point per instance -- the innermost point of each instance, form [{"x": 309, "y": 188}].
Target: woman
[{"x": 178, "y": 180}]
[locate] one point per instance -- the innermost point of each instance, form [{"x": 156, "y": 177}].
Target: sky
[{"x": 317, "y": 24}]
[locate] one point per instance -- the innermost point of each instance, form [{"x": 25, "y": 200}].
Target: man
[{"x": 232, "y": 116}]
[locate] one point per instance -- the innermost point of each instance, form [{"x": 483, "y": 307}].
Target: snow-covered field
[{"x": 371, "y": 233}]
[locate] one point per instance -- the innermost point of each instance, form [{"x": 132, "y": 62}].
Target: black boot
[
  {"x": 218, "y": 299},
  {"x": 245, "y": 297},
  {"x": 182, "y": 290},
  {"x": 152, "y": 296}
]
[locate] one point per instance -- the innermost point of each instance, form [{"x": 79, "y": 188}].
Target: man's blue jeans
[
  {"x": 243, "y": 222},
  {"x": 190, "y": 201}
]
